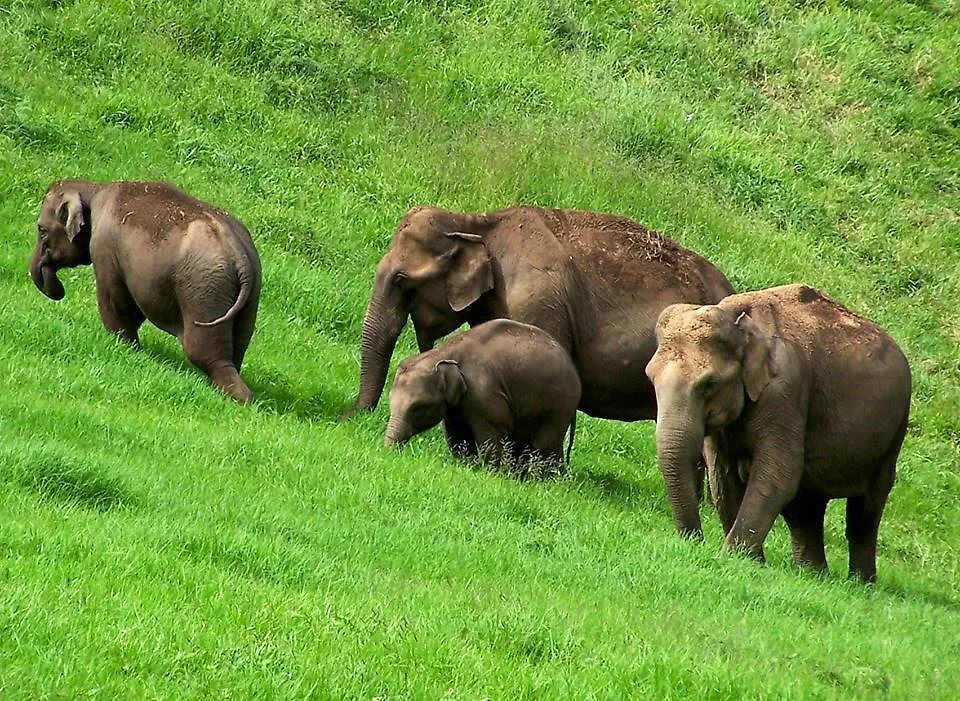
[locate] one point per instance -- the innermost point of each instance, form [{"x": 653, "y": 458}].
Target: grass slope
[{"x": 158, "y": 540}]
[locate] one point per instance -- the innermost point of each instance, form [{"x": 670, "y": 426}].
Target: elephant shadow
[
  {"x": 165, "y": 350},
  {"x": 67, "y": 481},
  {"x": 608, "y": 487},
  {"x": 904, "y": 594},
  {"x": 270, "y": 389},
  {"x": 271, "y": 392}
]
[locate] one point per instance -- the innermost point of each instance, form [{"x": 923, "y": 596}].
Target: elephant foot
[
  {"x": 753, "y": 552},
  {"x": 230, "y": 383}
]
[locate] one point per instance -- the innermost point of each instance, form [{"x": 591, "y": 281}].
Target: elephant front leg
[
  {"x": 490, "y": 442},
  {"x": 119, "y": 312},
  {"x": 459, "y": 437},
  {"x": 774, "y": 478},
  {"x": 726, "y": 487}
]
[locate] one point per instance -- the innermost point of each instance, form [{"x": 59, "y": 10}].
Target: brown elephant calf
[
  {"x": 501, "y": 384},
  {"x": 796, "y": 400},
  {"x": 157, "y": 254}
]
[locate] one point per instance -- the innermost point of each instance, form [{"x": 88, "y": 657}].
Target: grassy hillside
[{"x": 158, "y": 540}]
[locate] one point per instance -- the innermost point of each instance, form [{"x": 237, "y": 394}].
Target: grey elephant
[
  {"x": 595, "y": 282},
  {"x": 501, "y": 384},
  {"x": 796, "y": 400},
  {"x": 157, "y": 254}
]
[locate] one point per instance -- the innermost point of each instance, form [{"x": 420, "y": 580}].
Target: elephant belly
[
  {"x": 163, "y": 311},
  {"x": 613, "y": 378}
]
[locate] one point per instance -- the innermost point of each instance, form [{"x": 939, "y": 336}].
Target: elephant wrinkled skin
[
  {"x": 595, "y": 282},
  {"x": 795, "y": 400},
  {"x": 157, "y": 254},
  {"x": 501, "y": 384}
]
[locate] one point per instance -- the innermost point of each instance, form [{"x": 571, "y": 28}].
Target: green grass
[{"x": 158, "y": 540}]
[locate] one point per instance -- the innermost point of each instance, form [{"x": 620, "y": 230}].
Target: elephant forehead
[
  {"x": 690, "y": 341},
  {"x": 696, "y": 327}
]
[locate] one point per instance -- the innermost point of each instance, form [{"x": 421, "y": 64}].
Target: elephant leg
[
  {"x": 118, "y": 311},
  {"x": 243, "y": 327},
  {"x": 547, "y": 441},
  {"x": 774, "y": 479},
  {"x": 211, "y": 350},
  {"x": 726, "y": 487},
  {"x": 864, "y": 513},
  {"x": 490, "y": 441},
  {"x": 459, "y": 437},
  {"x": 863, "y": 522},
  {"x": 804, "y": 516}
]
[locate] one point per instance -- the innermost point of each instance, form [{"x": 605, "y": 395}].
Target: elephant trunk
[
  {"x": 679, "y": 446},
  {"x": 382, "y": 324},
  {"x": 45, "y": 276},
  {"x": 396, "y": 434}
]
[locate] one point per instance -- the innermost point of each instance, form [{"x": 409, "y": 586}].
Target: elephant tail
[
  {"x": 244, "y": 265},
  {"x": 573, "y": 432}
]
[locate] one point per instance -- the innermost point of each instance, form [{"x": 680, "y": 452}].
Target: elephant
[
  {"x": 595, "y": 282},
  {"x": 157, "y": 254},
  {"x": 501, "y": 384},
  {"x": 795, "y": 400}
]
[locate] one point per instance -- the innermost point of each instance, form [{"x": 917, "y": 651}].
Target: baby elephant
[
  {"x": 499, "y": 383},
  {"x": 157, "y": 254},
  {"x": 795, "y": 400}
]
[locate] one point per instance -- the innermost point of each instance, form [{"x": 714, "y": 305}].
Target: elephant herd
[{"x": 786, "y": 396}]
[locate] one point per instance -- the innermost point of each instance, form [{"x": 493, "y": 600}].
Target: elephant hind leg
[
  {"x": 547, "y": 441},
  {"x": 211, "y": 350},
  {"x": 804, "y": 517},
  {"x": 864, "y": 513},
  {"x": 863, "y": 522},
  {"x": 243, "y": 326}
]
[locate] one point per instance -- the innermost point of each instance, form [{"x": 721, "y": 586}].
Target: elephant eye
[
  {"x": 42, "y": 232},
  {"x": 708, "y": 382}
]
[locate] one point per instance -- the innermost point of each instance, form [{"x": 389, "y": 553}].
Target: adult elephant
[
  {"x": 795, "y": 400},
  {"x": 157, "y": 254},
  {"x": 595, "y": 282}
]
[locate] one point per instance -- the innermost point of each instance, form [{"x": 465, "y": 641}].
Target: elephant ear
[
  {"x": 759, "y": 363},
  {"x": 471, "y": 272},
  {"x": 70, "y": 214},
  {"x": 452, "y": 380}
]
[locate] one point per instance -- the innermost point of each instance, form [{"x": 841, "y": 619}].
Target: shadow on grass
[
  {"x": 271, "y": 391},
  {"x": 921, "y": 594},
  {"x": 61, "y": 480},
  {"x": 606, "y": 486},
  {"x": 162, "y": 350}
]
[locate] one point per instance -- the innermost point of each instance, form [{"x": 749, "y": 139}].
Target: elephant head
[
  {"x": 437, "y": 267},
  {"x": 709, "y": 363},
  {"x": 63, "y": 238},
  {"x": 420, "y": 394}
]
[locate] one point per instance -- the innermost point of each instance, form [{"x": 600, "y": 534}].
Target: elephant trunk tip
[
  {"x": 45, "y": 278},
  {"x": 394, "y": 438}
]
